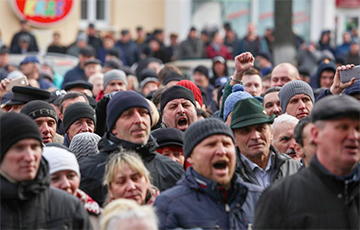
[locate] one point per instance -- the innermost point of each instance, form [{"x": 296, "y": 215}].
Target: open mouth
[
  {"x": 182, "y": 122},
  {"x": 220, "y": 165}
]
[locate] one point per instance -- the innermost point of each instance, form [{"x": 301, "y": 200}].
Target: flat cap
[
  {"x": 92, "y": 61},
  {"x": 335, "y": 106},
  {"x": 23, "y": 94},
  {"x": 78, "y": 84},
  {"x": 168, "y": 136}
]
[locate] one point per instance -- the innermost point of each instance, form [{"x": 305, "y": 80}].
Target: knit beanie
[
  {"x": 84, "y": 144},
  {"x": 202, "y": 69},
  {"x": 196, "y": 91},
  {"x": 114, "y": 74},
  {"x": 38, "y": 108},
  {"x": 202, "y": 129},
  {"x": 14, "y": 128},
  {"x": 176, "y": 92},
  {"x": 172, "y": 76},
  {"x": 60, "y": 159},
  {"x": 122, "y": 101},
  {"x": 293, "y": 88},
  {"x": 76, "y": 111},
  {"x": 238, "y": 93}
]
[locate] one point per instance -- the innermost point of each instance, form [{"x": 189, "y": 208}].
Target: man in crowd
[
  {"x": 211, "y": 195},
  {"x": 92, "y": 67},
  {"x": 45, "y": 117},
  {"x": 27, "y": 200},
  {"x": 128, "y": 123},
  {"x": 271, "y": 101},
  {"x": 252, "y": 82},
  {"x": 283, "y": 73},
  {"x": 201, "y": 78},
  {"x": 304, "y": 145},
  {"x": 332, "y": 178},
  {"x": 297, "y": 99},
  {"x": 129, "y": 48},
  {"x": 78, "y": 73},
  {"x": 192, "y": 47},
  {"x": 78, "y": 118},
  {"x": 115, "y": 80},
  {"x": 30, "y": 67},
  {"x": 24, "y": 31},
  {"x": 325, "y": 74},
  {"x": 258, "y": 161},
  {"x": 178, "y": 108},
  {"x": 283, "y": 135}
]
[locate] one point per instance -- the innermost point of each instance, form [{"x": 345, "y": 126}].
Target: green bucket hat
[{"x": 247, "y": 112}]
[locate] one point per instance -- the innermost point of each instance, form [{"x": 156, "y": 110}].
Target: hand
[
  {"x": 337, "y": 87},
  {"x": 3, "y": 85},
  {"x": 243, "y": 62}
]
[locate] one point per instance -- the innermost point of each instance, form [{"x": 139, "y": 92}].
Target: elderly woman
[
  {"x": 126, "y": 177},
  {"x": 65, "y": 175}
]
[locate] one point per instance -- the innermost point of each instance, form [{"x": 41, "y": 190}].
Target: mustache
[{"x": 290, "y": 152}]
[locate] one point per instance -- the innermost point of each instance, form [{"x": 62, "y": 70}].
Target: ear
[
  {"x": 190, "y": 160},
  {"x": 314, "y": 131},
  {"x": 299, "y": 150},
  {"x": 113, "y": 131}
]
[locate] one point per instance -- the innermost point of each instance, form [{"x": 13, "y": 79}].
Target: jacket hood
[
  {"x": 26, "y": 189},
  {"x": 109, "y": 144},
  {"x": 324, "y": 65}
]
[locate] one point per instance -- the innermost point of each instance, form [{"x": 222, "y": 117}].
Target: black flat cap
[
  {"x": 113, "y": 63},
  {"x": 92, "y": 61},
  {"x": 55, "y": 96},
  {"x": 335, "y": 106},
  {"x": 78, "y": 84},
  {"x": 89, "y": 52},
  {"x": 23, "y": 95},
  {"x": 168, "y": 136}
]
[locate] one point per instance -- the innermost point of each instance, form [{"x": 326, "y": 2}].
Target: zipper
[{"x": 346, "y": 191}]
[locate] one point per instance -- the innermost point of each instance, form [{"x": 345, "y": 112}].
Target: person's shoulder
[
  {"x": 93, "y": 161},
  {"x": 176, "y": 193},
  {"x": 62, "y": 199}
]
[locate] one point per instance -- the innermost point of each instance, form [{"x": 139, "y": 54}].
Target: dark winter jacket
[
  {"x": 164, "y": 172},
  {"x": 311, "y": 199},
  {"x": 35, "y": 205},
  {"x": 197, "y": 202},
  {"x": 281, "y": 166},
  {"x": 73, "y": 75}
]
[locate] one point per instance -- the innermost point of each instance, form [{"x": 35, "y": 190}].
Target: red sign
[
  {"x": 43, "y": 13},
  {"x": 348, "y": 3}
]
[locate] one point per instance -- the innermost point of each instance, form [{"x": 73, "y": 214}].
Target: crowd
[{"x": 125, "y": 141}]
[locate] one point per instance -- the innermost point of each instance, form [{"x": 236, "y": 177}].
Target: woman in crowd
[
  {"x": 127, "y": 177},
  {"x": 65, "y": 175}
]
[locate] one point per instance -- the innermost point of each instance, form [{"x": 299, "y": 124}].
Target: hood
[{"x": 324, "y": 65}]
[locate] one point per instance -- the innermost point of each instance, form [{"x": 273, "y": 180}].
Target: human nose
[
  {"x": 220, "y": 149},
  {"x": 354, "y": 134},
  {"x": 45, "y": 128},
  {"x": 29, "y": 155},
  {"x": 301, "y": 104},
  {"x": 276, "y": 109},
  {"x": 181, "y": 109},
  {"x": 130, "y": 185},
  {"x": 255, "y": 135},
  {"x": 64, "y": 183}
]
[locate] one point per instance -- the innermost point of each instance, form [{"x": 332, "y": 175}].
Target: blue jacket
[
  {"x": 197, "y": 202},
  {"x": 73, "y": 75}
]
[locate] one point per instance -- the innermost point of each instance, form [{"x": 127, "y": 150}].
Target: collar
[{"x": 253, "y": 165}]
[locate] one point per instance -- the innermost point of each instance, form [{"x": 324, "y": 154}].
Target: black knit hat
[
  {"x": 172, "y": 76},
  {"x": 202, "y": 69},
  {"x": 202, "y": 129},
  {"x": 176, "y": 92},
  {"x": 38, "y": 108},
  {"x": 16, "y": 127},
  {"x": 76, "y": 111},
  {"x": 168, "y": 136},
  {"x": 122, "y": 101}
]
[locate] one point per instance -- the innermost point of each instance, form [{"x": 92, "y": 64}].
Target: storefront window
[{"x": 95, "y": 11}]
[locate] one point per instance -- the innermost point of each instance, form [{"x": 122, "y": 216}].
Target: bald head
[{"x": 283, "y": 73}]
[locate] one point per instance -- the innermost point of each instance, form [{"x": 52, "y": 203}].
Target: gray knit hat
[
  {"x": 202, "y": 129},
  {"x": 293, "y": 88},
  {"x": 84, "y": 144},
  {"x": 114, "y": 74}
]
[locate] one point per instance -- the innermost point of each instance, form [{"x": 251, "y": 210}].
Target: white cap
[{"x": 60, "y": 159}]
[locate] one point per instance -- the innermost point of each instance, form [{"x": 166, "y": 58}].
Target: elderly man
[
  {"x": 297, "y": 99},
  {"x": 284, "y": 73},
  {"x": 178, "y": 108},
  {"x": 27, "y": 200},
  {"x": 326, "y": 194},
  {"x": 78, "y": 118},
  {"x": 211, "y": 195},
  {"x": 283, "y": 135},
  {"x": 304, "y": 145},
  {"x": 115, "y": 80},
  {"x": 258, "y": 161},
  {"x": 45, "y": 117},
  {"x": 128, "y": 123},
  {"x": 271, "y": 101}
]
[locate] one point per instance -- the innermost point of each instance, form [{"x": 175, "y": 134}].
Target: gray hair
[{"x": 284, "y": 118}]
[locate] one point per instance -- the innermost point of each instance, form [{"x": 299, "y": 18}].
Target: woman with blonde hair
[{"x": 127, "y": 177}]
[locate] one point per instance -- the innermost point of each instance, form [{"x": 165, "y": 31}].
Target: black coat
[
  {"x": 281, "y": 166},
  {"x": 164, "y": 172},
  {"x": 313, "y": 198},
  {"x": 35, "y": 205}
]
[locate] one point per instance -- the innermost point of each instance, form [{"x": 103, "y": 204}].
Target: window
[{"x": 95, "y": 11}]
